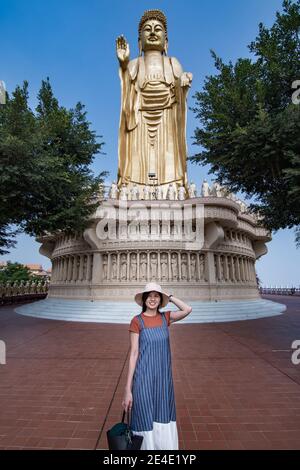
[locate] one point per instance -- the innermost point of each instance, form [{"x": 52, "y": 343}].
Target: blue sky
[{"x": 73, "y": 43}]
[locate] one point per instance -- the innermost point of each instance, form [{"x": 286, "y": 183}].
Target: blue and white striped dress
[{"x": 153, "y": 413}]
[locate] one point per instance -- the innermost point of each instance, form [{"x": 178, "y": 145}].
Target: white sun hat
[{"x": 151, "y": 286}]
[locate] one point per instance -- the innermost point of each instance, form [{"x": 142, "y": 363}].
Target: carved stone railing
[
  {"x": 280, "y": 290},
  {"x": 22, "y": 291}
]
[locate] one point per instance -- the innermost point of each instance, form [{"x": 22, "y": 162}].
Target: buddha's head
[{"x": 153, "y": 32}]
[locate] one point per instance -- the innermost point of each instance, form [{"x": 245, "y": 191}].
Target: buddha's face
[{"x": 153, "y": 36}]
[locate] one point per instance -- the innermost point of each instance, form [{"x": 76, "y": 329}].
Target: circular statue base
[
  {"x": 199, "y": 249},
  {"x": 122, "y": 312},
  {"x": 202, "y": 250}
]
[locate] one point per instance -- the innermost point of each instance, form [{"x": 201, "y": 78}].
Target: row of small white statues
[
  {"x": 10, "y": 288},
  {"x": 148, "y": 193}
]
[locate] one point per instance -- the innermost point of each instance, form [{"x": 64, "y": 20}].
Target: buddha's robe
[{"x": 152, "y": 124}]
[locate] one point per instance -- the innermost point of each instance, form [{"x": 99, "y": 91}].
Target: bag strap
[{"x": 128, "y": 416}]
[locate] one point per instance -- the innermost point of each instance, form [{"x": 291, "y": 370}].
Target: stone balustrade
[
  {"x": 21, "y": 291},
  {"x": 280, "y": 290}
]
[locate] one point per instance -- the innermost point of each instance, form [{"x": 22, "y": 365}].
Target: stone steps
[{"x": 122, "y": 312}]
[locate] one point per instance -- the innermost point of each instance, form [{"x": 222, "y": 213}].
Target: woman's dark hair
[{"x": 144, "y": 298}]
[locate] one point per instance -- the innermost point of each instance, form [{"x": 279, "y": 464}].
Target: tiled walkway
[{"x": 235, "y": 384}]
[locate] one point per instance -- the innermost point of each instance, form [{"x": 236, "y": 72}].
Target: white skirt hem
[{"x": 163, "y": 436}]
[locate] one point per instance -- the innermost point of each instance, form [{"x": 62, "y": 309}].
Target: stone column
[
  {"x": 158, "y": 266},
  {"x": 80, "y": 277},
  {"x": 67, "y": 267},
  {"x": 253, "y": 271},
  {"x": 232, "y": 269},
  {"x": 89, "y": 267},
  {"x": 72, "y": 268},
  {"x": 198, "y": 274},
  {"x": 74, "y": 273},
  {"x": 60, "y": 269},
  {"x": 179, "y": 264},
  {"x": 242, "y": 269},
  {"x": 226, "y": 273},
  {"x": 247, "y": 269},
  {"x": 169, "y": 266},
  {"x": 138, "y": 266},
  {"x": 250, "y": 270},
  {"x": 86, "y": 266},
  {"x": 108, "y": 266},
  {"x": 97, "y": 268},
  {"x": 55, "y": 270},
  {"x": 84, "y": 269},
  {"x": 128, "y": 266},
  {"x": 118, "y": 266},
  {"x": 210, "y": 266},
  {"x": 218, "y": 268},
  {"x": 238, "y": 268},
  {"x": 148, "y": 266},
  {"x": 67, "y": 260},
  {"x": 73, "y": 259},
  {"x": 222, "y": 258},
  {"x": 53, "y": 273},
  {"x": 189, "y": 265}
]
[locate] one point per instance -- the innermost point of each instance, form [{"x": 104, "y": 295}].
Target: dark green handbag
[{"x": 120, "y": 437}]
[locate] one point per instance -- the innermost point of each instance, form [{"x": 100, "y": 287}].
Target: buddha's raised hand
[{"x": 122, "y": 50}]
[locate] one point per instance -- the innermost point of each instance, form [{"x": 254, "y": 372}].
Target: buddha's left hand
[{"x": 186, "y": 79}]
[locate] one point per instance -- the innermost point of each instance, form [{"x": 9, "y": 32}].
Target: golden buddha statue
[{"x": 153, "y": 109}]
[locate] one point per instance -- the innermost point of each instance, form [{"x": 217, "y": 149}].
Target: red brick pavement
[{"x": 235, "y": 384}]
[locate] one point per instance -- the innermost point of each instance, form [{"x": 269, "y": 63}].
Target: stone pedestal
[{"x": 200, "y": 249}]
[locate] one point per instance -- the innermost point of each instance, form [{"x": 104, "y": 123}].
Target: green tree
[
  {"x": 46, "y": 184},
  {"x": 14, "y": 272},
  {"x": 249, "y": 129}
]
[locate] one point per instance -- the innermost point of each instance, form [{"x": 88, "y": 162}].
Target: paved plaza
[{"x": 236, "y": 386}]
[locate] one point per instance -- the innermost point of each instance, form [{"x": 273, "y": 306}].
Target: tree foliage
[
  {"x": 15, "y": 272},
  {"x": 249, "y": 127},
  {"x": 46, "y": 184}
]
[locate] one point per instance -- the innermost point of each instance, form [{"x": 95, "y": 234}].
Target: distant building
[
  {"x": 38, "y": 270},
  {"x": 34, "y": 268}
]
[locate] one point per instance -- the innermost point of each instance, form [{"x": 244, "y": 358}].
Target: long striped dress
[{"x": 153, "y": 413}]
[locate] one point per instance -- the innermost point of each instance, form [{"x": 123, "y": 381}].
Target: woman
[{"x": 149, "y": 391}]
